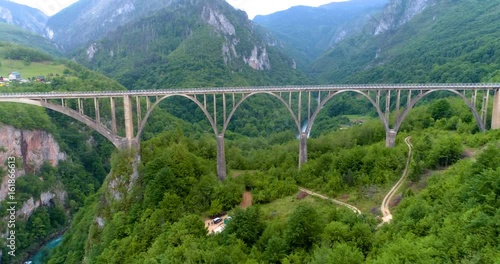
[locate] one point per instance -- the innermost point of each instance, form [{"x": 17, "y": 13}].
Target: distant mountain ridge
[
  {"x": 88, "y": 20},
  {"x": 191, "y": 44},
  {"x": 23, "y": 16},
  {"x": 419, "y": 41},
  {"x": 307, "y": 32}
]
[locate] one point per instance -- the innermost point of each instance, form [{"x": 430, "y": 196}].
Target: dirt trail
[
  {"x": 386, "y": 213},
  {"x": 247, "y": 200},
  {"x": 354, "y": 209}
]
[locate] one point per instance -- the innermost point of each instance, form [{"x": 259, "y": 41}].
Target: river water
[{"x": 37, "y": 258}]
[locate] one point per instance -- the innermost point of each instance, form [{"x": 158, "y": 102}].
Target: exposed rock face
[
  {"x": 218, "y": 21},
  {"x": 400, "y": 12},
  {"x": 259, "y": 60},
  {"x": 6, "y": 15},
  {"x": 46, "y": 198},
  {"x": 91, "y": 50},
  {"x": 30, "y": 148},
  {"x": 120, "y": 185}
]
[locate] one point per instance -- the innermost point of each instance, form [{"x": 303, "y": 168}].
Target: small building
[{"x": 15, "y": 76}]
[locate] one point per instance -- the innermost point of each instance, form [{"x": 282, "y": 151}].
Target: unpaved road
[
  {"x": 247, "y": 200},
  {"x": 354, "y": 209},
  {"x": 386, "y": 213}
]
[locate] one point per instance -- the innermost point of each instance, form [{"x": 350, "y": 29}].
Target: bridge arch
[
  {"x": 330, "y": 96},
  {"x": 208, "y": 114},
  {"x": 119, "y": 142},
  {"x": 419, "y": 97},
  {"x": 245, "y": 97},
  {"x": 144, "y": 120}
]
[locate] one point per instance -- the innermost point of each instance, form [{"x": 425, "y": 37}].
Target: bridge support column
[
  {"x": 129, "y": 124},
  {"x": 495, "y": 119},
  {"x": 221, "y": 158},
  {"x": 390, "y": 138},
  {"x": 303, "y": 149}
]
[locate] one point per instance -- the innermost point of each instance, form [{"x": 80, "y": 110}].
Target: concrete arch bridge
[{"x": 99, "y": 110}]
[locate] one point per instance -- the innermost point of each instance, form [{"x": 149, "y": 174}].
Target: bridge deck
[{"x": 221, "y": 90}]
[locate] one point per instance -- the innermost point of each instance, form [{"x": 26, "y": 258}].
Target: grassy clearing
[
  {"x": 362, "y": 118},
  {"x": 280, "y": 209},
  {"x": 32, "y": 70}
]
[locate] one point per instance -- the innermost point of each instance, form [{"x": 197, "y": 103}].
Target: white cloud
[
  {"x": 265, "y": 7},
  {"x": 49, "y": 7}
]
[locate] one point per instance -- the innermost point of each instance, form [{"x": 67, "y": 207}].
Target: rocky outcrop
[
  {"x": 91, "y": 51},
  {"x": 398, "y": 13},
  {"x": 120, "y": 184},
  {"x": 218, "y": 21},
  {"x": 31, "y": 149},
  {"x": 46, "y": 199},
  {"x": 259, "y": 59}
]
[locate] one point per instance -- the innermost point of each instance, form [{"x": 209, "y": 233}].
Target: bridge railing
[{"x": 250, "y": 89}]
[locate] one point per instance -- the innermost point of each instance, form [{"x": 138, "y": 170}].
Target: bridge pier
[
  {"x": 495, "y": 119},
  {"x": 221, "y": 158},
  {"x": 390, "y": 138},
  {"x": 302, "y": 149},
  {"x": 129, "y": 122}
]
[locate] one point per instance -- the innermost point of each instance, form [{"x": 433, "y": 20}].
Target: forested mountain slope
[
  {"x": 83, "y": 155},
  {"x": 14, "y": 34},
  {"x": 193, "y": 44},
  {"x": 88, "y": 20},
  {"x": 421, "y": 41},
  {"x": 159, "y": 219},
  {"x": 308, "y": 32}
]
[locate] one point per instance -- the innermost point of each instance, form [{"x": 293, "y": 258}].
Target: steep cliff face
[
  {"x": 257, "y": 57},
  {"x": 31, "y": 149},
  {"x": 398, "y": 13}
]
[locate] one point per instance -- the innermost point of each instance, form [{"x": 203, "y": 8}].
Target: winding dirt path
[
  {"x": 354, "y": 209},
  {"x": 384, "y": 208},
  {"x": 247, "y": 200}
]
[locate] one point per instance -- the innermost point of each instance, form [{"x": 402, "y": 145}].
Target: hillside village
[{"x": 16, "y": 77}]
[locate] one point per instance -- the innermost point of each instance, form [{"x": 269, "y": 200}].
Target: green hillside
[
  {"x": 87, "y": 152},
  {"x": 28, "y": 62},
  {"x": 450, "y": 41},
  {"x": 160, "y": 219},
  {"x": 14, "y": 34},
  {"x": 178, "y": 47},
  {"x": 308, "y": 32},
  {"x": 148, "y": 205}
]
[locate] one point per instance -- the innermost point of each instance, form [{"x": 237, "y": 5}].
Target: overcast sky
[
  {"x": 252, "y": 7},
  {"x": 265, "y": 7}
]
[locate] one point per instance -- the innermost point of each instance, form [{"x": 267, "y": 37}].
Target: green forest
[
  {"x": 160, "y": 220},
  {"x": 150, "y": 205},
  {"x": 454, "y": 41}
]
